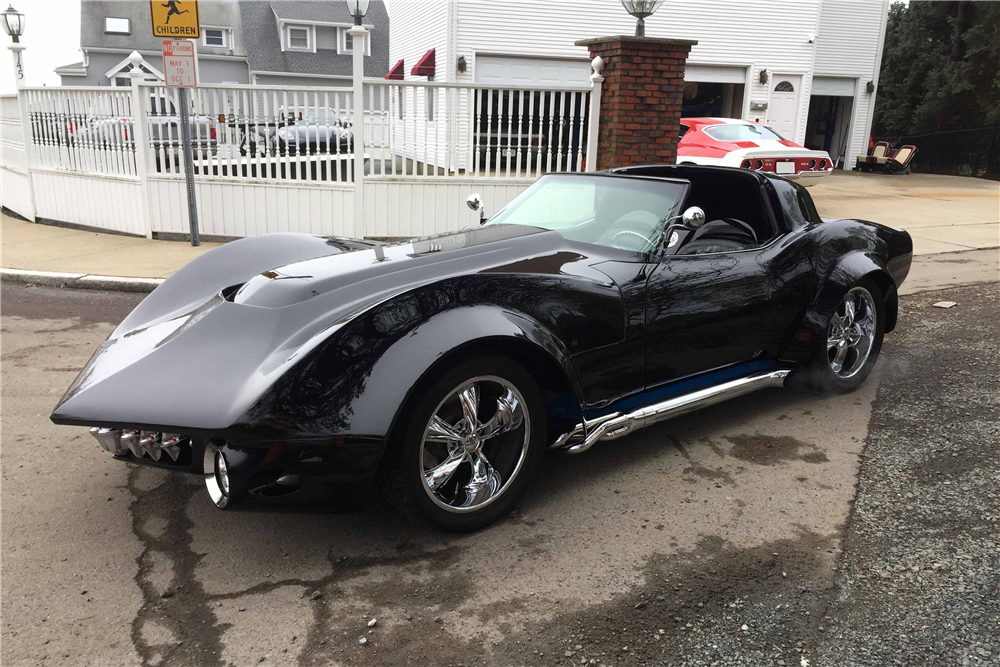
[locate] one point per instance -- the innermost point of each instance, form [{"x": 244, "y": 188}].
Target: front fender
[
  {"x": 844, "y": 274},
  {"x": 356, "y": 383}
]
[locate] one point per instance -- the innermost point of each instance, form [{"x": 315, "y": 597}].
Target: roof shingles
[{"x": 261, "y": 34}]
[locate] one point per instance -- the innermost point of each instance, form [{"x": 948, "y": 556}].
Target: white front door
[{"x": 783, "y": 107}]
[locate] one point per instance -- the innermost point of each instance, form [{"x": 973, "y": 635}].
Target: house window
[
  {"x": 347, "y": 43},
  {"x": 123, "y": 81},
  {"x": 217, "y": 37},
  {"x": 116, "y": 26},
  {"x": 299, "y": 38},
  {"x": 784, "y": 87}
]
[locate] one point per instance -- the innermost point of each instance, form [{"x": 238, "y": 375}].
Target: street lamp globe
[
  {"x": 13, "y": 23},
  {"x": 640, "y": 9},
  {"x": 358, "y": 9}
]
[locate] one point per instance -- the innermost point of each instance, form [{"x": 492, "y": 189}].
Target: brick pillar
[{"x": 641, "y": 98}]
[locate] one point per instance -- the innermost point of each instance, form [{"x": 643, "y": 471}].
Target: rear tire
[
  {"x": 846, "y": 354},
  {"x": 441, "y": 471}
]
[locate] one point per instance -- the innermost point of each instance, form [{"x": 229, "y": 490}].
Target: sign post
[{"x": 180, "y": 70}]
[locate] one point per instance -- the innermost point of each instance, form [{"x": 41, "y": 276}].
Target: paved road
[{"x": 734, "y": 516}]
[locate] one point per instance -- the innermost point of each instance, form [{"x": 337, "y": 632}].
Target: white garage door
[
  {"x": 715, "y": 74},
  {"x": 512, "y": 71},
  {"x": 833, "y": 85}
]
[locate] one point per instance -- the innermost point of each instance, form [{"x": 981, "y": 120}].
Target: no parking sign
[{"x": 180, "y": 63}]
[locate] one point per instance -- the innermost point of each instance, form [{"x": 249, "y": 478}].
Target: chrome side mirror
[
  {"x": 693, "y": 217},
  {"x": 475, "y": 203}
]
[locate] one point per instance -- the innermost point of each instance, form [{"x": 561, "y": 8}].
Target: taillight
[
  {"x": 125, "y": 128},
  {"x": 745, "y": 164},
  {"x": 211, "y": 133},
  {"x": 758, "y": 164},
  {"x": 822, "y": 164},
  {"x": 812, "y": 164},
  {"x": 222, "y": 118}
]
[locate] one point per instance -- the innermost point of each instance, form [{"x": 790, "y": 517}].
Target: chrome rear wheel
[{"x": 851, "y": 334}]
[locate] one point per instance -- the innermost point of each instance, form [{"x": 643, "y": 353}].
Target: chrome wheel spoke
[
  {"x": 838, "y": 359},
  {"x": 485, "y": 482},
  {"x": 441, "y": 431},
  {"x": 509, "y": 415},
  {"x": 849, "y": 312},
  {"x": 470, "y": 406},
  {"x": 439, "y": 475}
]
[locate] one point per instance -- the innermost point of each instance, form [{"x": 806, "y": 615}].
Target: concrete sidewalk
[
  {"x": 941, "y": 213},
  {"x": 37, "y": 247}
]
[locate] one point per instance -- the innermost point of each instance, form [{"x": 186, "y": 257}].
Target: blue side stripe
[{"x": 684, "y": 386}]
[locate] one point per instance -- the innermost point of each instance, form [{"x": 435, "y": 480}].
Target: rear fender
[{"x": 845, "y": 274}]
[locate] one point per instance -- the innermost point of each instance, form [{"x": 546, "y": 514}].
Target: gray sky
[{"x": 52, "y": 38}]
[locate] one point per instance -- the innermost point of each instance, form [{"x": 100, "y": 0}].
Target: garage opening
[
  {"x": 713, "y": 90},
  {"x": 828, "y": 124}
]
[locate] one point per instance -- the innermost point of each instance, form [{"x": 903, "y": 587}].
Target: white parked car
[{"x": 731, "y": 142}]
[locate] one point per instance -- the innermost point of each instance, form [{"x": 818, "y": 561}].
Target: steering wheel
[
  {"x": 646, "y": 240},
  {"x": 633, "y": 223}
]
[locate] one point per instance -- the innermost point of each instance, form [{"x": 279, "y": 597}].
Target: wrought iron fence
[{"x": 968, "y": 152}]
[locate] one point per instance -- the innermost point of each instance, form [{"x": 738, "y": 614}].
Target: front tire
[
  {"x": 467, "y": 445},
  {"x": 845, "y": 356}
]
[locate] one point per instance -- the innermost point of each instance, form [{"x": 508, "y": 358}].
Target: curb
[{"x": 80, "y": 280}]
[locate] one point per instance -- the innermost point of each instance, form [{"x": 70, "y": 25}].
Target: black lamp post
[
  {"x": 13, "y": 23},
  {"x": 358, "y": 9},
  {"x": 640, "y": 9}
]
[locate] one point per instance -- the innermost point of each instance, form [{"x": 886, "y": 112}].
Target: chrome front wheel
[
  {"x": 851, "y": 333},
  {"x": 475, "y": 444}
]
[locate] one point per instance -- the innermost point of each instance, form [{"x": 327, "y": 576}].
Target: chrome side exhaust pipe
[{"x": 617, "y": 425}]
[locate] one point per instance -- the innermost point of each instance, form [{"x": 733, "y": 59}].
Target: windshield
[
  {"x": 622, "y": 212},
  {"x": 742, "y": 132}
]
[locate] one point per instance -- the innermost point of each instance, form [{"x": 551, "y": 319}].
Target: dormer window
[
  {"x": 215, "y": 37},
  {"x": 117, "y": 26},
  {"x": 299, "y": 38},
  {"x": 347, "y": 42}
]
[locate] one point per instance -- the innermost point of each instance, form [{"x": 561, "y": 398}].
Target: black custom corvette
[{"x": 286, "y": 365}]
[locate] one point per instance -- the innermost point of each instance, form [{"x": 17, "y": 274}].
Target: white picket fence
[{"x": 268, "y": 159}]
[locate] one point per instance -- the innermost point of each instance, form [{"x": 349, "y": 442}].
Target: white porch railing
[
  {"x": 84, "y": 130},
  {"x": 269, "y": 158},
  {"x": 445, "y": 129}
]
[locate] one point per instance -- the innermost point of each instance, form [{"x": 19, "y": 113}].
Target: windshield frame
[{"x": 660, "y": 248}]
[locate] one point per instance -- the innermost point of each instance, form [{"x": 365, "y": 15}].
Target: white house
[{"x": 808, "y": 68}]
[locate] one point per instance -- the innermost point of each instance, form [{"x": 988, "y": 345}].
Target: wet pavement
[{"x": 730, "y": 536}]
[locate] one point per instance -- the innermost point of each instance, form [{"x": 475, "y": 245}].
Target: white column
[
  {"x": 17, "y": 50},
  {"x": 140, "y": 102},
  {"x": 359, "y": 37},
  {"x": 594, "y": 116}
]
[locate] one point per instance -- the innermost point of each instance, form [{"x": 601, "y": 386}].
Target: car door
[{"x": 704, "y": 312}]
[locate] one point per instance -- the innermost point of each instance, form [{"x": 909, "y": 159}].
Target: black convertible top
[{"x": 791, "y": 203}]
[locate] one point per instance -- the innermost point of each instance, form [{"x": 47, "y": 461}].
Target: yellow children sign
[{"x": 175, "y": 19}]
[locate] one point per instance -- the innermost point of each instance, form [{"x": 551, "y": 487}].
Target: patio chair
[
  {"x": 899, "y": 161},
  {"x": 876, "y": 158}
]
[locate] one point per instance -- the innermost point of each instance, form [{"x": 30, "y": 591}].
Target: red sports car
[{"x": 731, "y": 142}]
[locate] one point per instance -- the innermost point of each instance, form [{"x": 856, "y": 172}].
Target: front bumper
[{"x": 282, "y": 473}]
